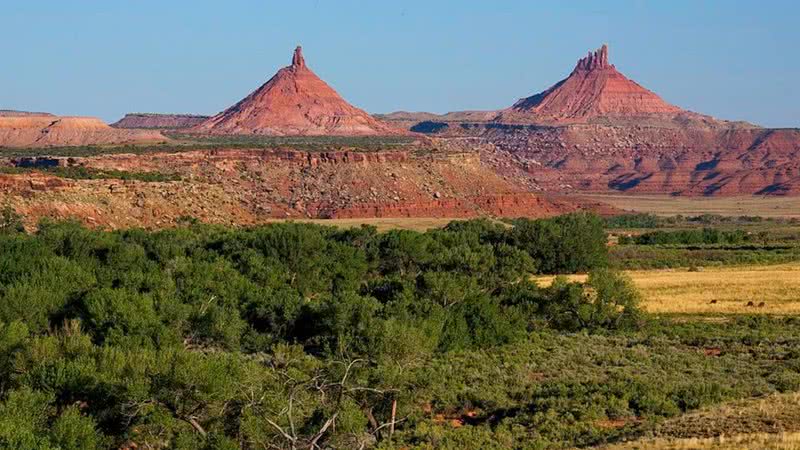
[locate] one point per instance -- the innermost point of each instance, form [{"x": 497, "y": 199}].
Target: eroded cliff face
[
  {"x": 598, "y": 131},
  {"x": 250, "y": 186},
  {"x": 680, "y": 161}
]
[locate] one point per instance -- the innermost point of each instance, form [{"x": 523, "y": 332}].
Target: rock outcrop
[
  {"x": 159, "y": 121},
  {"x": 57, "y": 131},
  {"x": 295, "y": 102}
]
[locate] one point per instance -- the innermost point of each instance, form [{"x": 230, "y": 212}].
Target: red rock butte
[
  {"x": 594, "y": 89},
  {"x": 295, "y": 102}
]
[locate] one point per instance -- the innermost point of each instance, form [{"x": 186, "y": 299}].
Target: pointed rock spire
[
  {"x": 594, "y": 89},
  {"x": 297, "y": 58},
  {"x": 294, "y": 102},
  {"x": 596, "y": 60}
]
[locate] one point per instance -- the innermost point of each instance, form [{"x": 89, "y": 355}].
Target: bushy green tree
[
  {"x": 607, "y": 301},
  {"x": 564, "y": 244}
]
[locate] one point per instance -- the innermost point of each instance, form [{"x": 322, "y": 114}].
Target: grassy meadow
[{"x": 716, "y": 290}]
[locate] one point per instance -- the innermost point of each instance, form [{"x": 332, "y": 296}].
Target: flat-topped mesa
[
  {"x": 297, "y": 59},
  {"x": 596, "y": 60},
  {"x": 61, "y": 131}
]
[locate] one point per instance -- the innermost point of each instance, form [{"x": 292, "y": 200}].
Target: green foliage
[
  {"x": 10, "y": 221},
  {"x": 640, "y": 220},
  {"x": 565, "y": 244},
  {"x": 608, "y": 300},
  {"x": 692, "y": 237},
  {"x": 191, "y": 142},
  {"x": 296, "y": 335},
  {"x": 657, "y": 257}
]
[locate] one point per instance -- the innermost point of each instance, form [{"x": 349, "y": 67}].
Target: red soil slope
[
  {"x": 654, "y": 160},
  {"x": 294, "y": 102}
]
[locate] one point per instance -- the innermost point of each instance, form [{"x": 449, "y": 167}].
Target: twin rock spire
[{"x": 596, "y": 60}]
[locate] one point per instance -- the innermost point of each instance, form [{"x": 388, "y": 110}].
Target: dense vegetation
[
  {"x": 651, "y": 242},
  {"x": 646, "y": 220},
  {"x": 629, "y": 257},
  {"x": 87, "y": 173},
  {"x": 102, "y": 329},
  {"x": 303, "y": 336}
]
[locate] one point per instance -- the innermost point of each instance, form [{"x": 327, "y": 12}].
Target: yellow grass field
[
  {"x": 681, "y": 291},
  {"x": 664, "y": 205}
]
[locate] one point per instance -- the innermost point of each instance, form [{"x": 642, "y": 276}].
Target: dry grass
[
  {"x": 693, "y": 206},
  {"x": 725, "y": 290},
  {"x": 771, "y": 422},
  {"x": 754, "y": 441}
]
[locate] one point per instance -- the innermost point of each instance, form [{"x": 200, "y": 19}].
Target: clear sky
[{"x": 731, "y": 59}]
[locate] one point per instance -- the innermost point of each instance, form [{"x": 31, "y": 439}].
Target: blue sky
[{"x": 731, "y": 59}]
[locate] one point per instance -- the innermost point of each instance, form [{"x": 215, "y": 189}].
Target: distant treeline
[
  {"x": 646, "y": 220},
  {"x": 688, "y": 237}
]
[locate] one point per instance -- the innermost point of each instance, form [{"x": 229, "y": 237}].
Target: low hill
[{"x": 38, "y": 130}]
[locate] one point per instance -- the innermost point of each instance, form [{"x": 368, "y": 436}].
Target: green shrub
[
  {"x": 10, "y": 221},
  {"x": 564, "y": 244}
]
